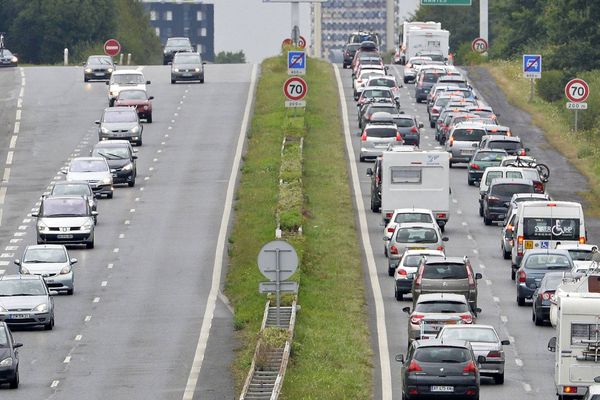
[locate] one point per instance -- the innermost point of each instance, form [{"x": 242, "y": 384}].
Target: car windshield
[
  {"x": 441, "y": 307},
  {"x": 5, "y": 53},
  {"x": 88, "y": 166},
  {"x": 116, "y": 115},
  {"x": 187, "y": 58},
  {"x": 178, "y": 42},
  {"x": 99, "y": 61},
  {"x": 3, "y": 338},
  {"x": 470, "y": 334},
  {"x": 439, "y": 354},
  {"x": 21, "y": 287},
  {"x": 71, "y": 189},
  {"x": 416, "y": 235},
  {"x": 124, "y": 79},
  {"x": 381, "y": 132},
  {"x": 412, "y": 217},
  {"x": 377, "y": 93},
  {"x": 352, "y": 46},
  {"x": 505, "y": 145},
  {"x": 581, "y": 255},
  {"x": 508, "y": 189},
  {"x": 445, "y": 271},
  {"x": 468, "y": 135},
  {"x": 111, "y": 153},
  {"x": 47, "y": 255},
  {"x": 132, "y": 95},
  {"x": 547, "y": 261},
  {"x": 382, "y": 82},
  {"x": 64, "y": 207},
  {"x": 489, "y": 156},
  {"x": 404, "y": 122}
]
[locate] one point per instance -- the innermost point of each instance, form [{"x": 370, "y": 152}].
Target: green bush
[
  {"x": 466, "y": 56},
  {"x": 552, "y": 84}
]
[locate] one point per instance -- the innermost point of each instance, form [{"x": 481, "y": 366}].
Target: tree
[{"x": 230, "y": 57}]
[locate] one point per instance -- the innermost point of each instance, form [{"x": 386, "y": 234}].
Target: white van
[
  {"x": 543, "y": 225},
  {"x": 416, "y": 179}
]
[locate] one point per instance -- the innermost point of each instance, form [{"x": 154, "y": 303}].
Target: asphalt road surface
[
  {"x": 529, "y": 366},
  {"x": 130, "y": 330}
]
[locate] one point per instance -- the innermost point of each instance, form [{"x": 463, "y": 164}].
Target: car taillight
[
  {"x": 364, "y": 137},
  {"x": 398, "y": 137},
  {"x": 414, "y": 367},
  {"x": 415, "y": 319},
  {"x": 570, "y": 389},
  {"x": 440, "y": 248},
  {"x": 393, "y": 250},
  {"x": 538, "y": 187},
  {"x": 494, "y": 354},
  {"x": 467, "y": 319},
  {"x": 471, "y": 392},
  {"x": 522, "y": 152},
  {"x": 581, "y": 239},
  {"x": 440, "y": 215},
  {"x": 389, "y": 215},
  {"x": 546, "y": 295},
  {"x": 359, "y": 81},
  {"x": 471, "y": 368},
  {"x": 414, "y": 129},
  {"x": 401, "y": 271},
  {"x": 391, "y": 229},
  {"x": 493, "y": 199},
  {"x": 474, "y": 166},
  {"x": 435, "y": 110},
  {"x": 520, "y": 246},
  {"x": 522, "y": 276},
  {"x": 450, "y": 142}
]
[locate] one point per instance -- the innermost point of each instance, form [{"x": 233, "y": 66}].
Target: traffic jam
[{"x": 541, "y": 239}]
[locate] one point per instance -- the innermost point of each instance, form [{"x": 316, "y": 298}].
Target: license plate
[
  {"x": 442, "y": 389},
  {"x": 187, "y": 75},
  {"x": 99, "y": 73},
  {"x": 410, "y": 276},
  {"x": 64, "y": 236},
  {"x": 19, "y": 316},
  {"x": 418, "y": 248},
  {"x": 501, "y": 216},
  {"x": 467, "y": 151}
]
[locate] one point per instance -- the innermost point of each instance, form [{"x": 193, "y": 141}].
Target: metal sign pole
[
  {"x": 277, "y": 285},
  {"x": 576, "y": 121},
  {"x": 531, "y": 90}
]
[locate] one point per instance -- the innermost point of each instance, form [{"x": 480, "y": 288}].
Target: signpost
[
  {"x": 479, "y": 45},
  {"x": 532, "y": 69},
  {"x": 295, "y": 89},
  {"x": 277, "y": 260},
  {"x": 296, "y": 63},
  {"x": 112, "y": 47},
  {"x": 577, "y": 91}
]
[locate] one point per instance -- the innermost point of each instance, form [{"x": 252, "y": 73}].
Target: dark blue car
[
  {"x": 9, "y": 357},
  {"x": 534, "y": 266}
]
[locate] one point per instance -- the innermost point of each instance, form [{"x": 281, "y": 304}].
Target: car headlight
[
  {"x": 176, "y": 69},
  {"x": 104, "y": 130},
  {"x": 7, "y": 362},
  {"x": 65, "y": 270},
  {"x": 107, "y": 181},
  {"x": 110, "y": 70},
  {"x": 165, "y": 52},
  {"x": 41, "y": 226},
  {"x": 24, "y": 271},
  {"x": 128, "y": 167},
  {"x": 41, "y": 308},
  {"x": 114, "y": 93},
  {"x": 85, "y": 227},
  {"x": 14, "y": 59},
  {"x": 197, "y": 69},
  {"x": 135, "y": 129}
]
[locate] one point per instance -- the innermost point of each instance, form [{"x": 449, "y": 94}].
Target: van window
[
  {"x": 508, "y": 189},
  {"x": 445, "y": 271},
  {"x": 412, "y": 217},
  {"x": 492, "y": 175},
  {"x": 401, "y": 175},
  {"x": 468, "y": 135},
  {"x": 551, "y": 228},
  {"x": 581, "y": 332}
]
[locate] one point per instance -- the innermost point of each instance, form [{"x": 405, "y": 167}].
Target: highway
[
  {"x": 132, "y": 327},
  {"x": 529, "y": 366}
]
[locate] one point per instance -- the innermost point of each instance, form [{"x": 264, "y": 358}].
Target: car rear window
[
  {"x": 441, "y": 307},
  {"x": 505, "y": 145},
  {"x": 581, "y": 255},
  {"x": 416, "y": 235},
  {"x": 76, "y": 189},
  {"x": 377, "y": 93},
  {"x": 413, "y": 217},
  {"x": 382, "y": 82},
  {"x": 412, "y": 260},
  {"x": 471, "y": 335},
  {"x": 551, "y": 228},
  {"x": 508, "y": 189},
  {"x": 390, "y": 109},
  {"x": 431, "y": 77},
  {"x": 445, "y": 271},
  {"x": 468, "y": 135},
  {"x": 439, "y": 354},
  {"x": 381, "y": 132},
  {"x": 404, "y": 122},
  {"x": 489, "y": 156},
  {"x": 545, "y": 261}
]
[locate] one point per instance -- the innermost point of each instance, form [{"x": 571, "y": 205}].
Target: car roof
[
  {"x": 113, "y": 143},
  {"x": 547, "y": 251},
  {"x": 418, "y": 225},
  {"x": 89, "y": 159},
  {"x": 186, "y": 53},
  {"x": 424, "y": 252},
  {"x": 502, "y": 138},
  {"x": 530, "y": 195},
  {"x": 46, "y": 246},
  {"x": 66, "y": 196},
  {"x": 413, "y": 210},
  {"x": 15, "y": 277},
  {"x": 577, "y": 246},
  {"x": 442, "y": 296},
  {"x": 446, "y": 260},
  {"x": 470, "y": 326},
  {"x": 61, "y": 183},
  {"x": 127, "y": 72},
  {"x": 382, "y": 117},
  {"x": 491, "y": 151},
  {"x": 467, "y": 125},
  {"x": 442, "y": 343}
]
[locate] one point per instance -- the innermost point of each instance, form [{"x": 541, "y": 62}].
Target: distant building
[{"x": 190, "y": 18}]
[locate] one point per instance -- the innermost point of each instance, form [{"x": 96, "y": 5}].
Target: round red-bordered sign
[
  {"x": 301, "y": 42},
  {"x": 286, "y": 42},
  {"x": 295, "y": 88},
  {"x": 479, "y": 45},
  {"x": 577, "y": 90},
  {"x": 112, "y": 47}
]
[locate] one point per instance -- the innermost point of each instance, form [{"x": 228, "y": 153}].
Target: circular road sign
[
  {"x": 267, "y": 260},
  {"x": 577, "y": 90},
  {"x": 301, "y": 42},
  {"x": 286, "y": 42},
  {"x": 479, "y": 45},
  {"x": 112, "y": 47},
  {"x": 295, "y": 88}
]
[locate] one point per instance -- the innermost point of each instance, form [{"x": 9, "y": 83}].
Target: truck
[
  {"x": 576, "y": 345},
  {"x": 422, "y": 37},
  {"x": 416, "y": 179}
]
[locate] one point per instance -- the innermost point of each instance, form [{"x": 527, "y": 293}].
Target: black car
[
  {"x": 543, "y": 295},
  {"x": 120, "y": 158},
  {"x": 9, "y": 357},
  {"x": 496, "y": 200},
  {"x": 176, "y": 45},
  {"x": 375, "y": 174},
  {"x": 438, "y": 369},
  {"x": 349, "y": 52},
  {"x": 425, "y": 81},
  {"x": 7, "y": 59},
  {"x": 98, "y": 67},
  {"x": 410, "y": 129}
]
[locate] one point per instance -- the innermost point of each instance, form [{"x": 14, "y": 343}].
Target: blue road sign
[
  {"x": 532, "y": 65},
  {"x": 296, "y": 59}
]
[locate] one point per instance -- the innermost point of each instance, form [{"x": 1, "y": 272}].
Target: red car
[{"x": 136, "y": 98}]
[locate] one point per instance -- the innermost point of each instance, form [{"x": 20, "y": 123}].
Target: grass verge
[
  {"x": 331, "y": 352},
  {"x": 551, "y": 118}
]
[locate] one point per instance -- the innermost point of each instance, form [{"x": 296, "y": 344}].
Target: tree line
[{"x": 39, "y": 30}]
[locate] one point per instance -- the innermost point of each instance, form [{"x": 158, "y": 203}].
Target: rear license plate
[
  {"x": 442, "y": 389},
  {"x": 114, "y": 175},
  {"x": 418, "y": 248},
  {"x": 501, "y": 216},
  {"x": 19, "y": 316},
  {"x": 467, "y": 152},
  {"x": 64, "y": 236},
  {"x": 410, "y": 276}
]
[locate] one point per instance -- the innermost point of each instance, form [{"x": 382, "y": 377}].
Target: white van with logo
[{"x": 544, "y": 225}]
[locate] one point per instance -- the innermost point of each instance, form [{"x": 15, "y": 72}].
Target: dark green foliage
[
  {"x": 230, "y": 57},
  {"x": 551, "y": 86}
]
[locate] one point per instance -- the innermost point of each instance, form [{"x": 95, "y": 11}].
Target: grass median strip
[{"x": 331, "y": 352}]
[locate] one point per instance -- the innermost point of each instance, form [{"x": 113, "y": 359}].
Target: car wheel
[
  {"x": 96, "y": 220},
  {"x": 536, "y": 318},
  {"x": 506, "y": 254},
  {"x": 70, "y": 292},
  {"x": 139, "y": 142},
  {"x": 513, "y": 273},
  {"x": 14, "y": 384},
  {"x": 90, "y": 244},
  {"x": 442, "y": 228},
  {"x": 85, "y": 79},
  {"x": 110, "y": 195},
  {"x": 390, "y": 270},
  {"x": 520, "y": 301},
  {"x": 405, "y": 80},
  {"x": 450, "y": 164},
  {"x": 486, "y": 220},
  {"x": 172, "y": 80},
  {"x": 470, "y": 182},
  {"x": 131, "y": 183},
  {"x": 432, "y": 124},
  {"x": 398, "y": 295},
  {"x": 362, "y": 159},
  {"x": 50, "y": 325},
  {"x": 149, "y": 118},
  {"x": 480, "y": 211},
  {"x": 499, "y": 379}
]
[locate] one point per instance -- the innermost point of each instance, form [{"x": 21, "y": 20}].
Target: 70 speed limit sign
[
  {"x": 577, "y": 90},
  {"x": 295, "y": 88}
]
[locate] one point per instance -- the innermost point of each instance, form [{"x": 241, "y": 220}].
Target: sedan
[
  {"x": 52, "y": 262},
  {"x": 7, "y": 59},
  {"x": 543, "y": 296},
  {"x": 534, "y": 265},
  {"x": 95, "y": 171},
  {"x": 485, "y": 342},
  {"x": 9, "y": 357},
  {"x": 120, "y": 123},
  {"x": 26, "y": 301},
  {"x": 120, "y": 158},
  {"x": 98, "y": 67},
  {"x": 137, "y": 99}
]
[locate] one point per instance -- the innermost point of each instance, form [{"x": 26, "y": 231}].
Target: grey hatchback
[
  {"x": 187, "y": 66},
  {"x": 534, "y": 266},
  {"x": 26, "y": 301},
  {"x": 462, "y": 142},
  {"x": 120, "y": 123}
]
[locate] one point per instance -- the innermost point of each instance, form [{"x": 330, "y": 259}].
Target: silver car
[
  {"x": 25, "y": 301},
  {"x": 375, "y": 139},
  {"x": 65, "y": 220},
  {"x": 120, "y": 123},
  {"x": 187, "y": 66},
  {"x": 51, "y": 262},
  {"x": 95, "y": 171},
  {"x": 463, "y": 140},
  {"x": 413, "y": 236},
  {"x": 485, "y": 342},
  {"x": 76, "y": 188}
]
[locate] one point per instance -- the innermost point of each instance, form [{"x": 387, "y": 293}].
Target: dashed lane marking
[
  {"x": 67, "y": 360},
  {"x": 103, "y": 283},
  {"x": 519, "y": 362},
  {"x": 78, "y": 338},
  {"x": 54, "y": 384},
  {"x": 504, "y": 318},
  {"x": 87, "y": 318}
]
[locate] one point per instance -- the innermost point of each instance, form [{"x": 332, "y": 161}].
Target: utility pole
[{"x": 483, "y": 21}]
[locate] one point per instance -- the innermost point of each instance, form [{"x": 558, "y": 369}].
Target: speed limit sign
[
  {"x": 577, "y": 90},
  {"x": 479, "y": 45},
  {"x": 295, "y": 88}
]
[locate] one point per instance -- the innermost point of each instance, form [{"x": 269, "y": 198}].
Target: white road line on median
[
  {"x": 54, "y": 384},
  {"x": 9, "y": 157},
  {"x": 519, "y": 362},
  {"x": 4, "y": 263},
  {"x": 2, "y": 194},
  {"x": 382, "y": 337},
  {"x": 13, "y": 142},
  {"x": 464, "y": 223},
  {"x": 17, "y": 127},
  {"x": 209, "y": 310},
  {"x": 67, "y": 360},
  {"x": 18, "y": 115},
  {"x": 475, "y": 251},
  {"x": 454, "y": 201},
  {"x": 78, "y": 338},
  {"x": 127, "y": 222},
  {"x": 19, "y": 102},
  {"x": 22, "y": 92},
  {"x": 481, "y": 266},
  {"x": 15, "y": 240},
  {"x": 2, "y": 272},
  {"x": 132, "y": 210}
]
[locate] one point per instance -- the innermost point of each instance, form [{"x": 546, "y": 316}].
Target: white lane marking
[
  {"x": 519, "y": 362},
  {"x": 103, "y": 283},
  {"x": 87, "y": 318},
  {"x": 496, "y": 299},
  {"x": 6, "y": 175},
  {"x": 512, "y": 339},
  {"x": 19, "y": 234},
  {"x": 22, "y": 227},
  {"x": 2, "y": 194},
  {"x": 527, "y": 387},
  {"x": 137, "y": 199},
  {"x": 454, "y": 201},
  {"x": 15, "y": 240},
  {"x": 209, "y": 310},
  {"x": 141, "y": 67},
  {"x": 7, "y": 255},
  {"x": 159, "y": 151},
  {"x": 11, "y": 248},
  {"x": 154, "y": 159},
  {"x": 469, "y": 237},
  {"x": 175, "y": 114},
  {"x": 9, "y": 157},
  {"x": 19, "y": 102},
  {"x": 488, "y": 282},
  {"x": 464, "y": 223},
  {"x": 22, "y": 92},
  {"x": 18, "y": 115},
  {"x": 142, "y": 189},
  {"x": 13, "y": 142},
  {"x": 78, "y": 338},
  {"x": 121, "y": 235},
  {"x": 504, "y": 318},
  {"x": 170, "y": 127},
  {"x": 109, "y": 266},
  {"x": 382, "y": 336},
  {"x": 146, "y": 178},
  {"x": 4, "y": 263},
  {"x": 475, "y": 251},
  {"x": 2, "y": 272},
  {"x": 23, "y": 81},
  {"x": 132, "y": 210},
  {"x": 116, "y": 250},
  {"x": 54, "y": 384},
  {"x": 459, "y": 212},
  {"x": 127, "y": 222},
  {"x": 67, "y": 360},
  {"x": 17, "y": 127},
  {"x": 481, "y": 266},
  {"x": 172, "y": 121},
  {"x": 96, "y": 300},
  {"x": 151, "y": 169},
  {"x": 163, "y": 143}
]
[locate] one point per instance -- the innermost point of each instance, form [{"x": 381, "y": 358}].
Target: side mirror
[
  {"x": 480, "y": 359},
  {"x": 421, "y": 125},
  {"x": 151, "y": 98},
  {"x": 203, "y": 62},
  {"x": 385, "y": 239},
  {"x": 52, "y": 292},
  {"x": 35, "y": 215},
  {"x": 17, "y": 345},
  {"x": 97, "y": 195},
  {"x": 63, "y": 171},
  {"x": 527, "y": 149},
  {"x": 369, "y": 172},
  {"x": 406, "y": 310},
  {"x": 107, "y": 83},
  {"x": 505, "y": 342},
  {"x": 400, "y": 358},
  {"x": 478, "y": 310},
  {"x": 134, "y": 157},
  {"x": 17, "y": 262},
  {"x": 83, "y": 63},
  {"x": 73, "y": 261},
  {"x": 148, "y": 82},
  {"x": 445, "y": 239},
  {"x": 97, "y": 122},
  {"x": 169, "y": 63},
  {"x": 552, "y": 344},
  {"x": 478, "y": 275},
  {"x": 475, "y": 144},
  {"x": 94, "y": 213},
  {"x": 115, "y": 63}
]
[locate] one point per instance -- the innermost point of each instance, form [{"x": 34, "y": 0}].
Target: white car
[
  {"x": 402, "y": 215},
  {"x": 406, "y": 269},
  {"x": 361, "y": 79},
  {"x": 95, "y": 171},
  {"x": 125, "y": 79},
  {"x": 412, "y": 66},
  {"x": 582, "y": 255}
]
